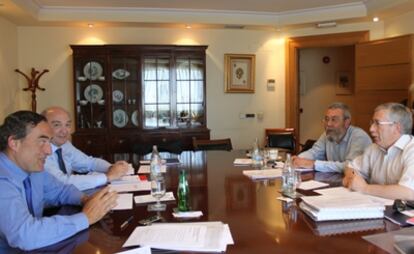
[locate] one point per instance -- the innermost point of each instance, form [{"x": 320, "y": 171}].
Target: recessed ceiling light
[
  {"x": 375, "y": 19},
  {"x": 188, "y": 26},
  {"x": 90, "y": 25}
]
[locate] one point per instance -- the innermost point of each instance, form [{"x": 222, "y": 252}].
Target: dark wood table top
[{"x": 258, "y": 221}]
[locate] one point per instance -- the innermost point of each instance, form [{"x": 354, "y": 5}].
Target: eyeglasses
[{"x": 378, "y": 122}]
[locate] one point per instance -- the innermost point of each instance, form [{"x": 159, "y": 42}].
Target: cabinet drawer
[
  {"x": 123, "y": 144},
  {"x": 90, "y": 144}
]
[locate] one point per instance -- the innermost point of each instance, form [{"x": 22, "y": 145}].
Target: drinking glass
[
  {"x": 293, "y": 181},
  {"x": 157, "y": 191}
]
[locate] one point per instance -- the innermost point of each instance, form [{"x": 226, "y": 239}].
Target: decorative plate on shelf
[
  {"x": 117, "y": 96},
  {"x": 92, "y": 70},
  {"x": 134, "y": 117},
  {"x": 120, "y": 74},
  {"x": 120, "y": 118},
  {"x": 93, "y": 93}
]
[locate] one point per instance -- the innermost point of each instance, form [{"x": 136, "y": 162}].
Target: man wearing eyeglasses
[
  {"x": 386, "y": 168},
  {"x": 341, "y": 142}
]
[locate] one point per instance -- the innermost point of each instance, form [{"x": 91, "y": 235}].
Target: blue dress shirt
[
  {"x": 330, "y": 156},
  {"x": 18, "y": 227},
  {"x": 76, "y": 161}
]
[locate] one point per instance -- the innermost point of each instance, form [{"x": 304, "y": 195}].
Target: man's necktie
[
  {"x": 60, "y": 160},
  {"x": 28, "y": 190}
]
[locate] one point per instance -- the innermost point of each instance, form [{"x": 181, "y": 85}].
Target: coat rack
[{"x": 33, "y": 83}]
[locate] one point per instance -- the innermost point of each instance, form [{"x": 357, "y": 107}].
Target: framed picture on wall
[
  {"x": 239, "y": 73},
  {"x": 344, "y": 83}
]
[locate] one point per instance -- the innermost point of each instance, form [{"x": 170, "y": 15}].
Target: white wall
[
  {"x": 400, "y": 25},
  {"x": 48, "y": 47},
  {"x": 9, "y": 95}
]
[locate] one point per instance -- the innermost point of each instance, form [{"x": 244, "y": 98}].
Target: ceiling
[{"x": 253, "y": 14}]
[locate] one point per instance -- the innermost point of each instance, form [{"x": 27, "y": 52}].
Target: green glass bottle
[{"x": 183, "y": 193}]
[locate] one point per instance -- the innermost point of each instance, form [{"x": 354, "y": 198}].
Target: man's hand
[
  {"x": 354, "y": 181},
  {"x": 99, "y": 204},
  {"x": 302, "y": 163},
  {"x": 117, "y": 170}
]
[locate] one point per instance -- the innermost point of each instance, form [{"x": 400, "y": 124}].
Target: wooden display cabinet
[{"x": 138, "y": 94}]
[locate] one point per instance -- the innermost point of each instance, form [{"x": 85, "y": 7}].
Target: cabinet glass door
[
  {"x": 125, "y": 93},
  {"x": 157, "y": 92},
  {"x": 90, "y": 93},
  {"x": 190, "y": 92}
]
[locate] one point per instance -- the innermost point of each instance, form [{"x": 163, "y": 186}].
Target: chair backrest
[
  {"x": 308, "y": 145},
  {"x": 212, "y": 144},
  {"x": 282, "y": 138}
]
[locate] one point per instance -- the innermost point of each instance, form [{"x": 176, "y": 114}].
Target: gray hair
[
  {"x": 400, "y": 114},
  {"x": 343, "y": 107}
]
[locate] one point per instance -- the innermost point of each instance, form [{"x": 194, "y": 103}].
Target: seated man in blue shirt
[
  {"x": 75, "y": 160},
  {"x": 25, "y": 188},
  {"x": 340, "y": 143}
]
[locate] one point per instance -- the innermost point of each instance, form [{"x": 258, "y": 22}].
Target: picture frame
[
  {"x": 239, "y": 73},
  {"x": 344, "y": 84}
]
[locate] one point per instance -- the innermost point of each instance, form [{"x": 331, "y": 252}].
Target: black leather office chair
[
  {"x": 281, "y": 138},
  {"x": 212, "y": 144}
]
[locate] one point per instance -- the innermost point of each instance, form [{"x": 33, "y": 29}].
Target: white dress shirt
[
  {"x": 392, "y": 166},
  {"x": 76, "y": 161}
]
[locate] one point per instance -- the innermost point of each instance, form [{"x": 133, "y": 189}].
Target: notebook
[{"x": 351, "y": 206}]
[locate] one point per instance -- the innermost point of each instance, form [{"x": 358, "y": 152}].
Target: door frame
[{"x": 293, "y": 45}]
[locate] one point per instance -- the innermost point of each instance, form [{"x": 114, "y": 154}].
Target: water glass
[
  {"x": 157, "y": 191},
  {"x": 292, "y": 182}
]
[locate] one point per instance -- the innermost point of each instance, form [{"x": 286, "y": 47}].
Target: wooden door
[{"x": 383, "y": 73}]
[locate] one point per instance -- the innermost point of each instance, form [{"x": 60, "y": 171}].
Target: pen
[{"x": 126, "y": 223}]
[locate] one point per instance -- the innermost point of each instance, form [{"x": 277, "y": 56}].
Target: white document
[
  {"x": 169, "y": 196},
  {"x": 130, "y": 170},
  {"x": 142, "y": 250},
  {"x": 242, "y": 161},
  {"x": 127, "y": 179},
  {"x": 263, "y": 174},
  {"x": 312, "y": 184},
  {"x": 190, "y": 214},
  {"x": 145, "y": 169},
  {"x": 207, "y": 236},
  {"x": 342, "y": 191},
  {"x": 124, "y": 202},
  {"x": 130, "y": 187}
]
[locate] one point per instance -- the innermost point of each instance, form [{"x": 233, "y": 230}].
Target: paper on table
[
  {"x": 263, "y": 174},
  {"x": 145, "y": 169},
  {"x": 124, "y": 202},
  {"x": 190, "y": 214},
  {"x": 130, "y": 170},
  {"x": 141, "y": 250},
  {"x": 242, "y": 161},
  {"x": 142, "y": 162},
  {"x": 341, "y": 191},
  {"x": 127, "y": 179},
  {"x": 149, "y": 198},
  {"x": 128, "y": 187},
  {"x": 208, "y": 236},
  {"x": 312, "y": 184}
]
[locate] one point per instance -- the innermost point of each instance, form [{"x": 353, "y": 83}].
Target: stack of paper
[
  {"x": 242, "y": 162},
  {"x": 127, "y": 179},
  {"x": 169, "y": 196},
  {"x": 347, "y": 207},
  {"x": 263, "y": 174},
  {"x": 145, "y": 169},
  {"x": 130, "y": 187},
  {"x": 199, "y": 236}
]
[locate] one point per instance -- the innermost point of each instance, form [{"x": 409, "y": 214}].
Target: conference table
[{"x": 258, "y": 221}]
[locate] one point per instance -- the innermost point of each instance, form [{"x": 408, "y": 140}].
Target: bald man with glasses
[
  {"x": 340, "y": 143},
  {"x": 386, "y": 169}
]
